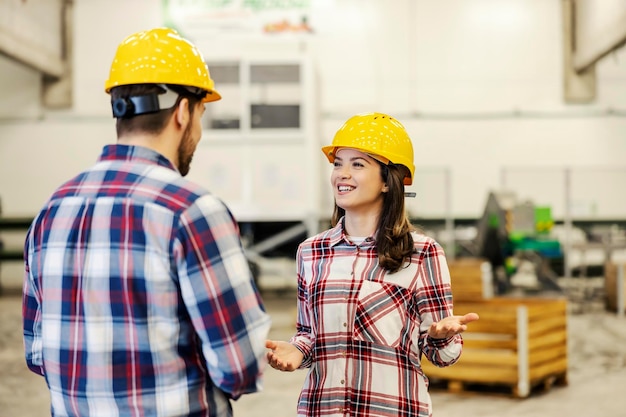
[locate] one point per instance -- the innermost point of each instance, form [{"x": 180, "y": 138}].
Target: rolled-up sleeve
[
  {"x": 437, "y": 292},
  {"x": 303, "y": 339},
  {"x": 220, "y": 295}
]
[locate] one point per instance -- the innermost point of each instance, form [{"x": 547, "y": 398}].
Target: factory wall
[{"x": 478, "y": 85}]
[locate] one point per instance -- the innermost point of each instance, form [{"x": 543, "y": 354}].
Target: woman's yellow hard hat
[{"x": 378, "y": 135}]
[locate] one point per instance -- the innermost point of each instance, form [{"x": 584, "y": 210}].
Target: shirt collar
[
  {"x": 118, "y": 152},
  {"x": 338, "y": 235}
]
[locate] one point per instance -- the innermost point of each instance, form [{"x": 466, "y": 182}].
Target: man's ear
[{"x": 181, "y": 113}]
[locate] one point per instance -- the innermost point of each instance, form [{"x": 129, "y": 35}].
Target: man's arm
[
  {"x": 221, "y": 298},
  {"x": 31, "y": 314}
]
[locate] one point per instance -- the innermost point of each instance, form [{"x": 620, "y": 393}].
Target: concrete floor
[{"x": 597, "y": 372}]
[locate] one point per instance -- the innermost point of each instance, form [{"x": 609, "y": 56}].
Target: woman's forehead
[{"x": 351, "y": 153}]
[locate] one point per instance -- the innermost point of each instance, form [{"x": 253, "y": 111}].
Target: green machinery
[{"x": 516, "y": 239}]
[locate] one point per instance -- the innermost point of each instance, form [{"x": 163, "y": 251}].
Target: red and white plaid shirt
[{"x": 363, "y": 330}]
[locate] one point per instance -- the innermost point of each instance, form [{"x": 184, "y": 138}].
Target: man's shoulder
[{"x": 141, "y": 183}]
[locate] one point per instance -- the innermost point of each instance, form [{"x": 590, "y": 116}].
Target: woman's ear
[{"x": 385, "y": 188}]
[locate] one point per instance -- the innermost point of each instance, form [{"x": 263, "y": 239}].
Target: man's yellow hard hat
[{"x": 160, "y": 56}]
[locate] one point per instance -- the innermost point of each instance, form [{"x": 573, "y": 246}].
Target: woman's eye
[{"x": 358, "y": 165}]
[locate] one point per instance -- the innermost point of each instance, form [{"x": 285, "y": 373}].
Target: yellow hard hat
[
  {"x": 378, "y": 135},
  {"x": 160, "y": 56}
]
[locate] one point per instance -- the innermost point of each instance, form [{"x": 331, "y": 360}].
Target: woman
[{"x": 373, "y": 294}]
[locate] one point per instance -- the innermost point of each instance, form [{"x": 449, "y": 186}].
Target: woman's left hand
[{"x": 451, "y": 326}]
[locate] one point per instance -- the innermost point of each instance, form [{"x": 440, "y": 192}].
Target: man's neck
[{"x": 155, "y": 142}]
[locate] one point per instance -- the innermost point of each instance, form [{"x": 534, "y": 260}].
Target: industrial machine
[{"x": 515, "y": 238}]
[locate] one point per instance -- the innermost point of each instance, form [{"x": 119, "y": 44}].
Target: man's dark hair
[{"x": 151, "y": 123}]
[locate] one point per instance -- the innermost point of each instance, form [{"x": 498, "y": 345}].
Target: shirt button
[
  {"x": 345, "y": 325},
  {"x": 343, "y": 381}
]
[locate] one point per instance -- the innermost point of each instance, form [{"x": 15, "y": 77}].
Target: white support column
[
  {"x": 450, "y": 249},
  {"x": 487, "y": 278},
  {"x": 523, "y": 364},
  {"x": 620, "y": 290},
  {"x": 567, "y": 222}
]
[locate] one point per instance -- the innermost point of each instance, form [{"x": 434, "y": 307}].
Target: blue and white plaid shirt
[{"x": 138, "y": 298}]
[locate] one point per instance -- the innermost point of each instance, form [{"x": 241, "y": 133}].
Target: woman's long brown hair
[{"x": 393, "y": 236}]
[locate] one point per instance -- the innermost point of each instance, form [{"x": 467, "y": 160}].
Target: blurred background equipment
[{"x": 515, "y": 237}]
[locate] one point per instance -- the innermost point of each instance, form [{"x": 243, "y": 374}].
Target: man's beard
[{"x": 186, "y": 150}]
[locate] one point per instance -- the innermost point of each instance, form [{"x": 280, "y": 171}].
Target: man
[{"x": 138, "y": 298}]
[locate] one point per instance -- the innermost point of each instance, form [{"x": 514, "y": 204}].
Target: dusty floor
[{"x": 597, "y": 372}]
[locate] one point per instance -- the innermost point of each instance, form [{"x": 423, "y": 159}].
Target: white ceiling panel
[
  {"x": 600, "y": 27},
  {"x": 32, "y": 32}
]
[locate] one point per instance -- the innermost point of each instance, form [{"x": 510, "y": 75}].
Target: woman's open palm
[
  {"x": 451, "y": 325},
  {"x": 283, "y": 355}
]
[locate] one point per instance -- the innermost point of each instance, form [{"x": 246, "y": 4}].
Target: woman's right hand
[{"x": 283, "y": 355}]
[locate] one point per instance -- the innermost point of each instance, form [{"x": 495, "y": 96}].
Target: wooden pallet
[
  {"x": 471, "y": 278},
  {"x": 518, "y": 344},
  {"x": 501, "y": 389}
]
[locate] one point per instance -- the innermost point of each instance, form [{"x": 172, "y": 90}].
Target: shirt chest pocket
[{"x": 381, "y": 314}]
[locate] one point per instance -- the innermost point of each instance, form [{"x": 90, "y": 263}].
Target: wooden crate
[
  {"x": 518, "y": 343},
  {"x": 472, "y": 279},
  {"x": 615, "y": 287}
]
